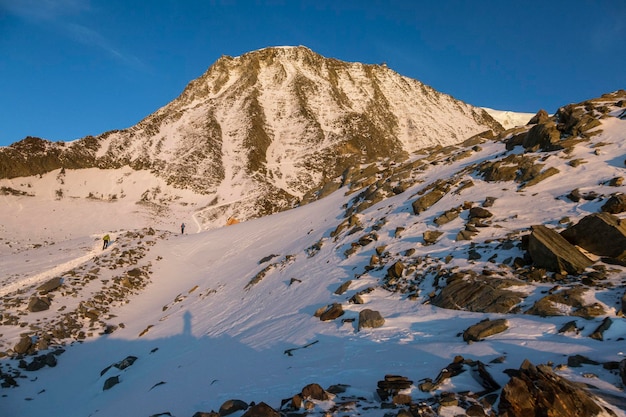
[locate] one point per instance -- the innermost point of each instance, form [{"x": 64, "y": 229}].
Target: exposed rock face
[
  {"x": 602, "y": 234},
  {"x": 479, "y": 294},
  {"x": 550, "y": 250},
  {"x": 543, "y": 136},
  {"x": 538, "y": 391}
]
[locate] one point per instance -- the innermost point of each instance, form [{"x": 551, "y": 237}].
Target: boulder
[
  {"x": 541, "y": 116},
  {"x": 232, "y": 406},
  {"x": 395, "y": 270},
  {"x": 314, "y": 392},
  {"x": 549, "y": 250},
  {"x": 483, "y": 329},
  {"x": 538, "y": 391},
  {"x": 427, "y": 200},
  {"x": 615, "y": 204},
  {"x": 479, "y": 213},
  {"x": 600, "y": 233},
  {"x": 50, "y": 285},
  {"x": 544, "y": 136},
  {"x": 37, "y": 304},
  {"x": 261, "y": 410},
  {"x": 343, "y": 287},
  {"x": 330, "y": 312},
  {"x": 111, "y": 382},
  {"x": 23, "y": 345},
  {"x": 370, "y": 318},
  {"x": 447, "y": 216},
  {"x": 431, "y": 236},
  {"x": 598, "y": 333}
]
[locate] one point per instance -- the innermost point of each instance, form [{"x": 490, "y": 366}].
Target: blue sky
[{"x": 71, "y": 68}]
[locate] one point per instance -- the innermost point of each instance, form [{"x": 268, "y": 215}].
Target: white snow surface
[
  {"x": 210, "y": 339},
  {"x": 509, "y": 119}
]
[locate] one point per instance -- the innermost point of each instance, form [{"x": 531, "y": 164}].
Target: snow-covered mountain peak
[{"x": 269, "y": 130}]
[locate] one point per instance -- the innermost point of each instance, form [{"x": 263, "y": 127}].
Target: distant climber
[
  {"x": 106, "y": 240},
  {"x": 182, "y": 229}
]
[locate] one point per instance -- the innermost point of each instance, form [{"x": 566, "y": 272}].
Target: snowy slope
[
  {"x": 509, "y": 119},
  {"x": 212, "y": 314}
]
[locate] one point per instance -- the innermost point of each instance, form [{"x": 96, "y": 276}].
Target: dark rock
[
  {"x": 50, "y": 285},
  {"x": 37, "y": 304},
  {"x": 370, "y": 318},
  {"x": 465, "y": 234},
  {"x": 126, "y": 362},
  {"x": 543, "y": 136},
  {"x": 541, "y": 116},
  {"x": 598, "y": 333},
  {"x": 331, "y": 312},
  {"x": 232, "y": 406},
  {"x": 600, "y": 233},
  {"x": 205, "y": 414},
  {"x": 485, "y": 328},
  {"x": 489, "y": 201},
  {"x": 576, "y": 361},
  {"x": 479, "y": 213},
  {"x": 395, "y": 270},
  {"x": 427, "y": 200},
  {"x": 111, "y": 382},
  {"x": 551, "y": 304},
  {"x": 615, "y": 204},
  {"x": 23, "y": 345},
  {"x": 538, "y": 391},
  {"x": 431, "y": 236},
  {"x": 484, "y": 377},
  {"x": 550, "y": 250},
  {"x": 447, "y": 216},
  {"x": 314, "y": 392},
  {"x": 570, "y": 326},
  {"x": 575, "y": 195},
  {"x": 261, "y": 410},
  {"x": 343, "y": 287},
  {"x": 479, "y": 294},
  {"x": 622, "y": 370},
  {"x": 394, "y": 383}
]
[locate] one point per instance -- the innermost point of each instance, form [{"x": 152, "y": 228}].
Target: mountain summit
[{"x": 268, "y": 130}]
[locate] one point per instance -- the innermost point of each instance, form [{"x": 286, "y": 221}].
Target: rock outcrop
[
  {"x": 550, "y": 250},
  {"x": 602, "y": 234},
  {"x": 538, "y": 391}
]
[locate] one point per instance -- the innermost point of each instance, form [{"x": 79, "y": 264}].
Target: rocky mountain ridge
[{"x": 267, "y": 131}]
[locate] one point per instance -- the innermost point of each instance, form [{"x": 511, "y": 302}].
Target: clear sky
[{"x": 71, "y": 68}]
